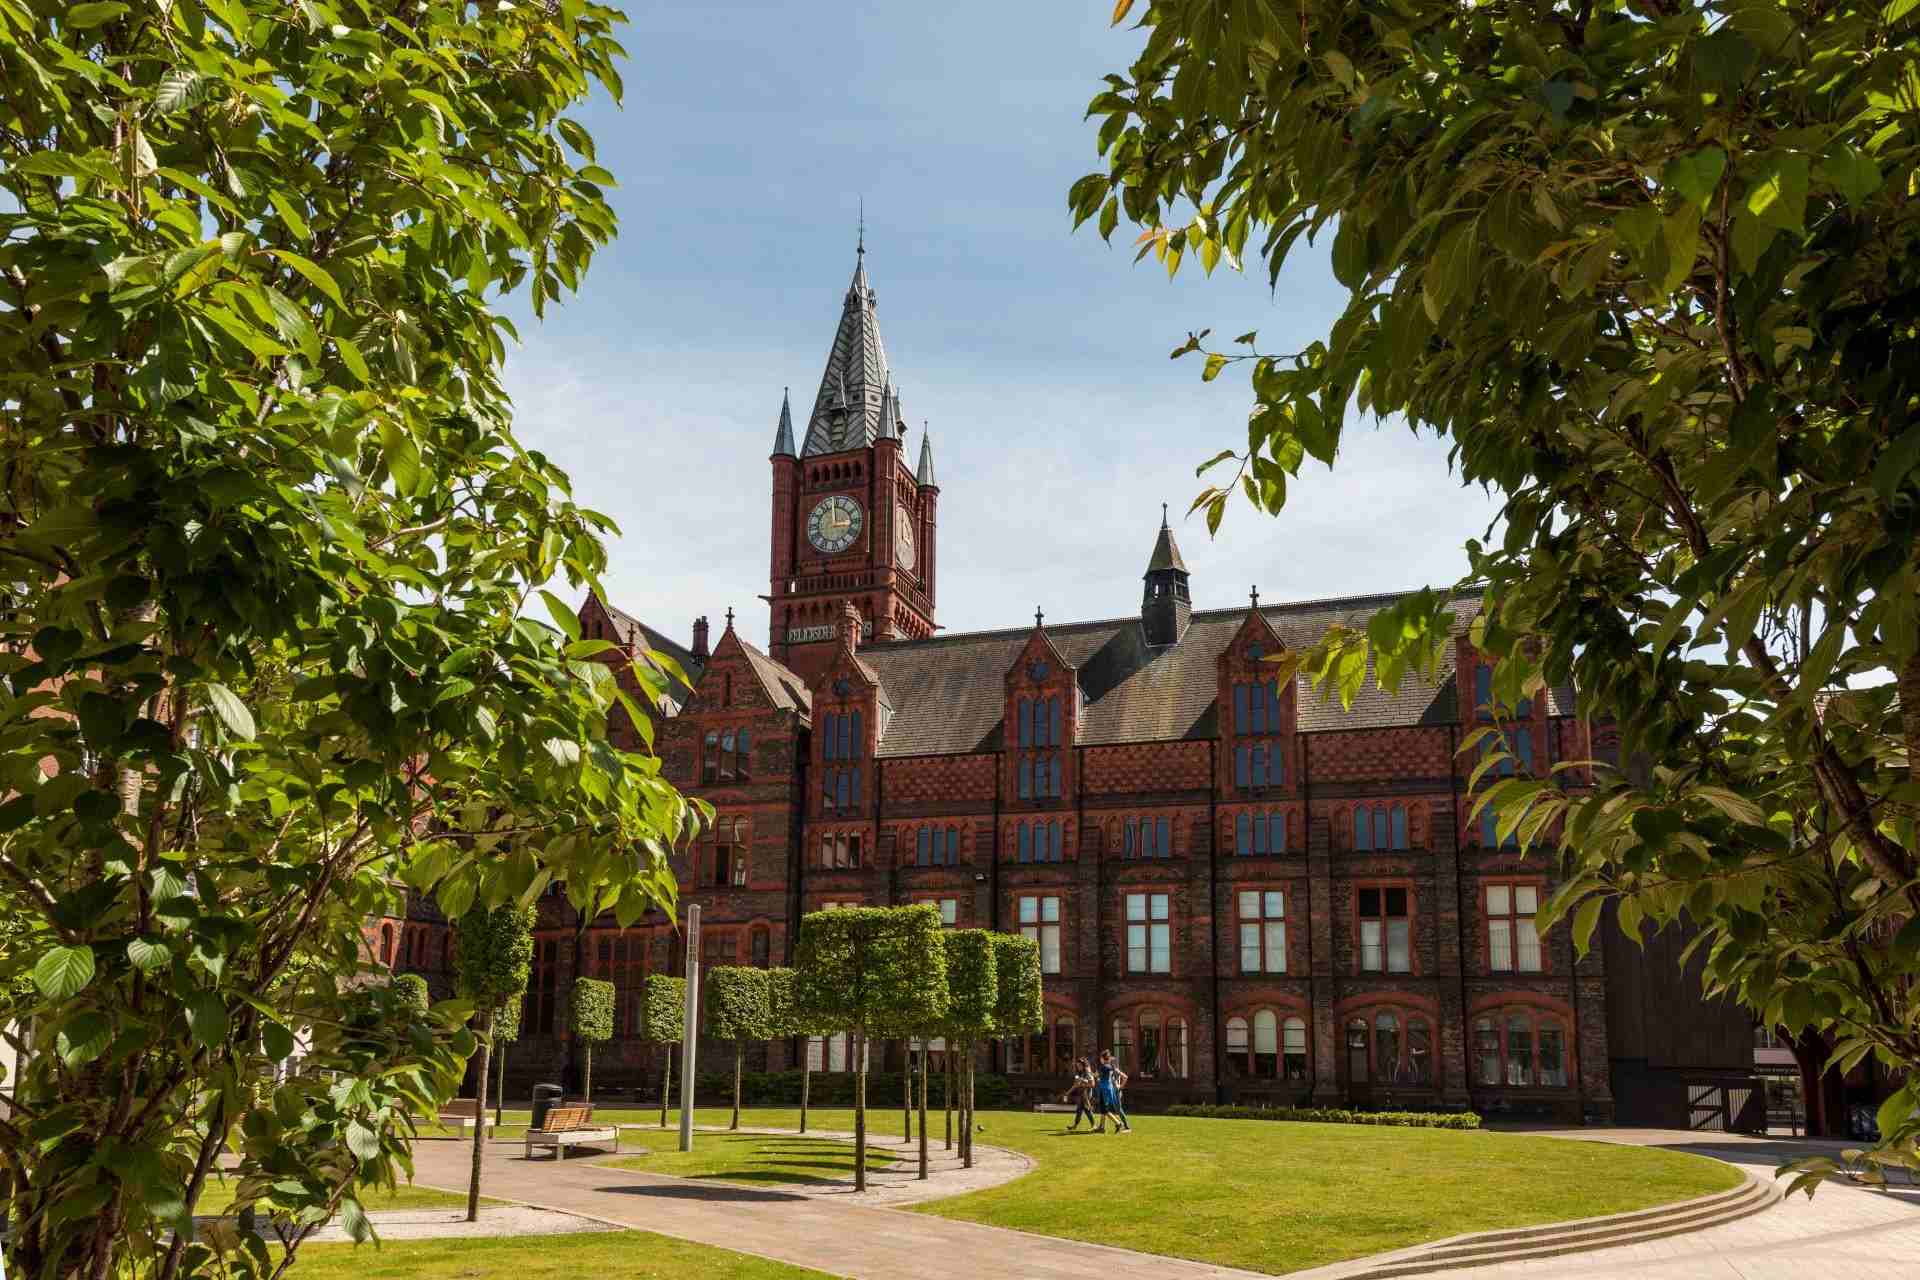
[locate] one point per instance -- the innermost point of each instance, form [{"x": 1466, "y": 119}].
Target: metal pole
[{"x": 690, "y": 1029}]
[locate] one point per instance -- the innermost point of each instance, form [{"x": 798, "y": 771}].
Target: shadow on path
[{"x": 709, "y": 1192}]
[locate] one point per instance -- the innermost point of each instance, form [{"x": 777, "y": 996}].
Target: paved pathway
[
  {"x": 1842, "y": 1232},
  {"x": 828, "y": 1235}
]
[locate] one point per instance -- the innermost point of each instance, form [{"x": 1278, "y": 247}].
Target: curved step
[{"x": 1481, "y": 1249}]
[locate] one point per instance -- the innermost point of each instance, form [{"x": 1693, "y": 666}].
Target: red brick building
[{"x": 1243, "y": 889}]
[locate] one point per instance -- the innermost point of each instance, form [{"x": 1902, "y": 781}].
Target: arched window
[
  {"x": 1294, "y": 1049},
  {"x": 1150, "y": 1043},
  {"x": 726, "y": 755},
  {"x": 1238, "y": 1061},
  {"x": 710, "y": 758},
  {"x": 1520, "y": 1048},
  {"x": 1266, "y": 1045},
  {"x": 1357, "y": 1055},
  {"x": 386, "y": 944},
  {"x": 1386, "y": 1044},
  {"x": 743, "y": 755},
  {"x": 1399, "y": 826},
  {"x": 1362, "y": 828}
]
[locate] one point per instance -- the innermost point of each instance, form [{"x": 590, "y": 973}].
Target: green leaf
[
  {"x": 1850, "y": 172},
  {"x": 313, "y": 274},
  {"x": 562, "y": 614},
  {"x": 177, "y": 88},
  {"x": 1778, "y": 194},
  {"x": 1215, "y": 363},
  {"x": 1897, "y": 463},
  {"x": 1584, "y": 921},
  {"x": 1697, "y": 174},
  {"x": 80, "y": 17},
  {"x": 277, "y": 1041},
  {"x": 362, "y": 1141},
  {"x": 289, "y": 214},
  {"x": 1896, "y": 10},
  {"x": 64, "y": 972},
  {"x": 207, "y": 1018},
  {"x": 293, "y": 322},
  {"x": 233, "y": 713},
  {"x": 1680, "y": 232},
  {"x": 148, "y": 956}
]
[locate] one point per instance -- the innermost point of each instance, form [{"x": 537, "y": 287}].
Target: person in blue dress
[{"x": 1111, "y": 1081}]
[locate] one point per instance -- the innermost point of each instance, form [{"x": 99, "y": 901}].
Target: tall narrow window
[
  {"x": 1386, "y": 933},
  {"x": 1483, "y": 692},
  {"x": 1266, "y": 1045},
  {"x": 1519, "y": 1050},
  {"x": 1486, "y": 1051},
  {"x": 953, "y": 846},
  {"x": 1357, "y": 1056},
  {"x": 1399, "y": 826},
  {"x": 1294, "y": 1049},
  {"x": 1149, "y": 934},
  {"x": 710, "y": 758},
  {"x": 1263, "y": 931},
  {"x": 1386, "y": 1045},
  {"x": 1362, "y": 828},
  {"x": 1040, "y": 921},
  {"x": 1239, "y": 1060},
  {"x": 743, "y": 755},
  {"x": 726, "y": 756}
]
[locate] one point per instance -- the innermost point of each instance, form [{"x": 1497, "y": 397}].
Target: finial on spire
[
  {"x": 1254, "y": 595},
  {"x": 1038, "y": 617},
  {"x": 729, "y": 617},
  {"x": 1163, "y": 515},
  {"x": 861, "y": 246}
]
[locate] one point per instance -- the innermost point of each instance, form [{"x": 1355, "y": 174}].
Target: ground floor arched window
[
  {"x": 1520, "y": 1048},
  {"x": 1150, "y": 1043},
  {"x": 1262, "y": 1045},
  {"x": 1048, "y": 1051},
  {"x": 1390, "y": 1046}
]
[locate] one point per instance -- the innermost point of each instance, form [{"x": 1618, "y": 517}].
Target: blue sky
[{"x": 750, "y": 134}]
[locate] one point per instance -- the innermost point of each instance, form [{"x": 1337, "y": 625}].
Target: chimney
[
  {"x": 850, "y": 626},
  {"x": 700, "y": 636}
]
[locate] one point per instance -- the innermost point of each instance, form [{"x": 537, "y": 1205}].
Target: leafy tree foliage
[
  {"x": 785, "y": 1018},
  {"x": 973, "y": 1007},
  {"x": 495, "y": 949},
  {"x": 268, "y": 543},
  {"x": 872, "y": 970},
  {"x": 738, "y": 1006},
  {"x": 1650, "y": 267},
  {"x": 590, "y": 1018},
  {"x": 663, "y": 1014},
  {"x": 413, "y": 990}
]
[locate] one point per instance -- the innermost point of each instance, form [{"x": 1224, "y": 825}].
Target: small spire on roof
[
  {"x": 1163, "y": 515},
  {"x": 729, "y": 617},
  {"x": 861, "y": 246},
  {"x": 783, "y": 436},
  {"x": 924, "y": 476},
  {"x": 1255, "y": 595},
  {"x": 1038, "y": 617}
]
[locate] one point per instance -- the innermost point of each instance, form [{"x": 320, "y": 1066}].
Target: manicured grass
[
  {"x": 756, "y": 1157},
  {"x": 629, "y": 1255},
  {"x": 1276, "y": 1197},
  {"x": 217, "y": 1198}
]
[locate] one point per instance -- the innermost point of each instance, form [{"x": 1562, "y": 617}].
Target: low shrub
[{"x": 1336, "y": 1115}]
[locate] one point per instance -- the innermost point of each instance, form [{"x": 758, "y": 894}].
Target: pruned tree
[
  {"x": 590, "y": 1018},
  {"x": 738, "y": 1009},
  {"x": 1019, "y": 1004},
  {"x": 270, "y": 541},
  {"x": 663, "y": 1013},
  {"x": 506, "y": 1030},
  {"x": 785, "y": 1019},
  {"x": 412, "y": 988},
  {"x": 1649, "y": 268},
  {"x": 973, "y": 1007},
  {"x": 496, "y": 957},
  {"x": 868, "y": 969}
]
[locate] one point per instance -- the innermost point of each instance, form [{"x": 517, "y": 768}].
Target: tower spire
[
  {"x": 1166, "y": 603},
  {"x": 783, "y": 436},
  {"x": 924, "y": 475},
  {"x": 848, "y": 408}
]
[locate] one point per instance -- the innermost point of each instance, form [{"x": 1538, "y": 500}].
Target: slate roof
[
  {"x": 853, "y": 406},
  {"x": 1166, "y": 552},
  {"x": 782, "y": 686},
  {"x": 783, "y": 434},
  {"x": 632, "y": 629},
  {"x": 948, "y": 692}
]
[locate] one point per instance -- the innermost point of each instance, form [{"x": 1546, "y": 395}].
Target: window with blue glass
[
  {"x": 936, "y": 847},
  {"x": 1146, "y": 838},
  {"x": 841, "y": 745},
  {"x": 1259, "y": 833},
  {"x": 1041, "y": 729},
  {"x": 1039, "y": 841},
  {"x": 1379, "y": 827},
  {"x": 1257, "y": 758}
]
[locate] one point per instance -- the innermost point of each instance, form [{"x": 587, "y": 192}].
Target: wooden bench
[
  {"x": 570, "y": 1127},
  {"x": 461, "y": 1112}
]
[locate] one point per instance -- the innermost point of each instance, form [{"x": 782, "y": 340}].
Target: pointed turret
[
  {"x": 889, "y": 414},
  {"x": 925, "y": 474},
  {"x": 848, "y": 410},
  {"x": 783, "y": 437},
  {"x": 1166, "y": 603}
]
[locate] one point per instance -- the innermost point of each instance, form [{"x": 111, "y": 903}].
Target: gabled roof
[
  {"x": 783, "y": 688},
  {"x": 948, "y": 692},
  {"x": 633, "y": 631},
  {"x": 849, "y": 410}
]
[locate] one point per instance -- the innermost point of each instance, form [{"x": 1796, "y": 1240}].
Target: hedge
[
  {"x": 1335, "y": 1115},
  {"x": 882, "y": 970},
  {"x": 1019, "y": 1008},
  {"x": 663, "y": 1008},
  {"x": 590, "y": 1011},
  {"x": 972, "y": 983},
  {"x": 735, "y": 1003}
]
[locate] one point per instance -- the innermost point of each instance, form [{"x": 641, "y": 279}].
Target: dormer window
[
  {"x": 1042, "y": 730},
  {"x": 843, "y": 746}
]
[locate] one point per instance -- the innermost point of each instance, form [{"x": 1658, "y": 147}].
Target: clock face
[
  {"x": 903, "y": 544},
  {"x": 834, "y": 524}
]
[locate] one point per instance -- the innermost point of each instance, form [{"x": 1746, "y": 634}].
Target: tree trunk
[
  {"x": 806, "y": 1081},
  {"x": 859, "y": 1114},
  {"x": 739, "y": 1056},
  {"x": 946, "y": 1094},
  {"x": 906, "y": 1091},
  {"x": 966, "y": 1127},
  {"x": 1910, "y": 713},
  {"x": 480, "y": 1117},
  {"x": 923, "y": 1108},
  {"x": 586, "y": 1087},
  {"x": 666, "y": 1087}
]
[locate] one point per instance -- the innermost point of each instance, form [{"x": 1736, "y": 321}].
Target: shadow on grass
[{"x": 695, "y": 1189}]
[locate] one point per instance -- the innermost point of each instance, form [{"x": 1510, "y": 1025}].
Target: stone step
[{"x": 1522, "y": 1244}]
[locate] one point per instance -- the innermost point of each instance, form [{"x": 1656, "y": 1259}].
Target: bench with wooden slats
[{"x": 569, "y": 1127}]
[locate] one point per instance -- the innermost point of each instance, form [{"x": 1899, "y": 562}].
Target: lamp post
[{"x": 690, "y": 1029}]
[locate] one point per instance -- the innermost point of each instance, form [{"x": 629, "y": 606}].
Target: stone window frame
[
  {"x": 1502, "y": 1011},
  {"x": 1413, "y": 926},
  {"x": 1040, "y": 924},
  {"x": 1148, "y": 923},
  {"x": 1483, "y": 910},
  {"x": 1260, "y": 922}
]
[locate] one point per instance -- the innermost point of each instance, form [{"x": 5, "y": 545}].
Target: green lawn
[
  {"x": 757, "y": 1157},
  {"x": 1279, "y": 1197},
  {"x": 629, "y": 1255}
]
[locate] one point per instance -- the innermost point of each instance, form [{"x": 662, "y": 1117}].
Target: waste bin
[{"x": 545, "y": 1098}]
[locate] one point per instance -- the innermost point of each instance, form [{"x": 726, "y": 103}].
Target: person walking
[
  {"x": 1080, "y": 1093},
  {"x": 1111, "y": 1081}
]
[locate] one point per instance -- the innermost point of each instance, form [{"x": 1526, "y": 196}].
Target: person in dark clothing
[
  {"x": 1080, "y": 1093},
  {"x": 1111, "y": 1081}
]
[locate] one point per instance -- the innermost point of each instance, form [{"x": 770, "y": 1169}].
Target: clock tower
[{"x": 853, "y": 521}]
